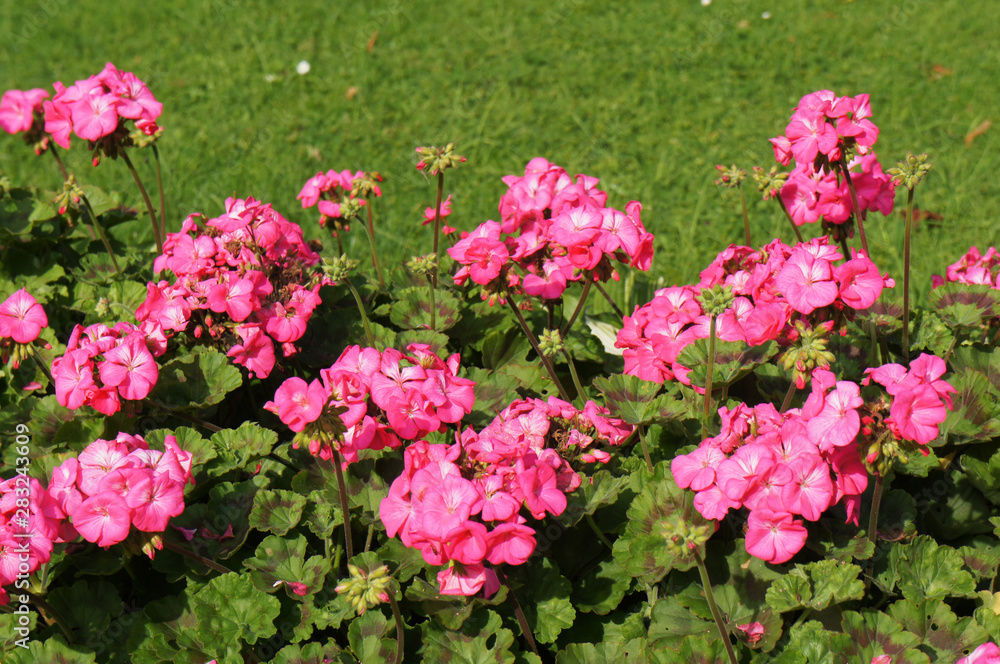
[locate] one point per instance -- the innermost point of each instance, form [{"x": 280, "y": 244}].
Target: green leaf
[
  {"x": 928, "y": 570},
  {"x": 897, "y": 516},
  {"x": 601, "y": 589},
  {"x": 870, "y": 634},
  {"x": 976, "y": 416},
  {"x": 601, "y": 488},
  {"x": 493, "y": 392},
  {"x": 816, "y": 586},
  {"x": 367, "y": 638},
  {"x": 51, "y": 651},
  {"x": 810, "y": 640},
  {"x": 984, "y": 475},
  {"x": 276, "y": 511},
  {"x": 939, "y": 628},
  {"x": 606, "y": 333},
  {"x": 249, "y": 442},
  {"x": 310, "y": 653},
  {"x": 503, "y": 346},
  {"x": 670, "y": 623},
  {"x": 733, "y": 360},
  {"x": 88, "y": 605},
  {"x": 965, "y": 305},
  {"x": 963, "y": 510},
  {"x": 196, "y": 380},
  {"x": 632, "y": 652},
  {"x": 279, "y": 561},
  {"x": 412, "y": 309},
  {"x": 636, "y": 401},
  {"x": 545, "y": 598},
  {"x": 231, "y": 609},
  {"x": 471, "y": 644}
]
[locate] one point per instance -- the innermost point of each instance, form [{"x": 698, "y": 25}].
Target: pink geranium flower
[
  {"x": 22, "y": 318},
  {"x": 806, "y": 282},
  {"x": 104, "y": 519},
  {"x": 131, "y": 368},
  {"x": 154, "y": 500},
  {"x": 774, "y": 537}
]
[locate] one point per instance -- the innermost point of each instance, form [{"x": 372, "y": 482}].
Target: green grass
[{"x": 648, "y": 97}]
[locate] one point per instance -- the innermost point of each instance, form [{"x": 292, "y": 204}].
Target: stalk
[
  {"x": 906, "y": 276},
  {"x": 159, "y": 185},
  {"x": 708, "y": 378},
  {"x": 145, "y": 197},
  {"x": 361, "y": 308},
  {"x": 597, "y": 531},
  {"x": 430, "y": 290},
  {"x": 207, "y": 562},
  {"x": 873, "y": 523},
  {"x": 645, "y": 448},
  {"x": 59, "y": 162},
  {"x": 52, "y": 613},
  {"x": 746, "y": 218},
  {"x": 706, "y": 583},
  {"x": 873, "y": 355},
  {"x": 342, "y": 486},
  {"x": 437, "y": 221},
  {"x": 100, "y": 232},
  {"x": 370, "y": 231},
  {"x": 519, "y": 613},
  {"x": 788, "y": 215},
  {"x": 788, "y": 398},
  {"x": 398, "y": 617},
  {"x": 576, "y": 379},
  {"x": 579, "y": 305},
  {"x": 607, "y": 297},
  {"x": 534, "y": 344},
  {"x": 842, "y": 163}
]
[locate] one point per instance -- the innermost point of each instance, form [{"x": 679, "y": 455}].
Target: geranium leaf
[
  {"x": 670, "y": 623},
  {"x": 366, "y": 635},
  {"x": 811, "y": 641},
  {"x": 871, "y": 634},
  {"x": 939, "y": 628},
  {"x": 601, "y": 589},
  {"x": 281, "y": 561},
  {"x": 50, "y": 651},
  {"x": 196, "y": 380},
  {"x": 247, "y": 443},
  {"x": 545, "y": 598},
  {"x": 928, "y": 570},
  {"x": 470, "y": 645},
  {"x": 984, "y": 475},
  {"x": 230, "y": 609},
  {"x": 632, "y": 652},
  {"x": 733, "y": 360},
  {"x": 310, "y": 653},
  {"x": 976, "y": 415},
  {"x": 638, "y": 401},
  {"x": 816, "y": 586},
  {"x": 276, "y": 511},
  {"x": 601, "y": 488},
  {"x": 412, "y": 309},
  {"x": 87, "y": 605},
  {"x": 965, "y": 305}
]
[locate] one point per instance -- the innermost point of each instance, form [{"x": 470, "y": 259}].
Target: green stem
[
  {"x": 645, "y": 448},
  {"x": 579, "y": 305},
  {"x": 437, "y": 221},
  {"x": 873, "y": 523},
  {"x": 52, "y": 613},
  {"x": 59, "y": 162},
  {"x": 100, "y": 231},
  {"x": 370, "y": 231},
  {"x": 906, "y": 277},
  {"x": 184, "y": 416},
  {"x": 159, "y": 185},
  {"x": 951, "y": 348},
  {"x": 873, "y": 360},
  {"x": 145, "y": 197},
  {"x": 710, "y": 596},
  {"x": 342, "y": 486},
  {"x": 788, "y": 215},
  {"x": 211, "y": 564},
  {"x": 746, "y": 218},
  {"x": 788, "y": 397},
  {"x": 519, "y": 613},
  {"x": 430, "y": 290},
  {"x": 546, "y": 362},
  {"x": 576, "y": 379},
  {"x": 361, "y": 308},
  {"x": 368, "y": 539},
  {"x": 607, "y": 297},
  {"x": 398, "y": 617},
  {"x": 854, "y": 202},
  {"x": 597, "y": 531},
  {"x": 708, "y": 379}
]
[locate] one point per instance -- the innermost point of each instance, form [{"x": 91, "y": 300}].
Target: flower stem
[
  {"x": 342, "y": 490},
  {"x": 645, "y": 448},
  {"x": 534, "y": 344},
  {"x": 576, "y": 379},
  {"x": 51, "y": 613},
  {"x": 597, "y": 531},
  {"x": 159, "y": 185},
  {"x": 873, "y": 523},
  {"x": 211, "y": 564},
  {"x": 607, "y": 297},
  {"x": 59, "y": 162},
  {"x": 951, "y": 348},
  {"x": 430, "y": 290},
  {"x": 720, "y": 625},
  {"x": 788, "y": 215},
  {"x": 873, "y": 355},
  {"x": 398, "y": 617},
  {"x": 100, "y": 232},
  {"x": 184, "y": 416},
  {"x": 579, "y": 305},
  {"x": 842, "y": 163},
  {"x": 370, "y": 231},
  {"x": 145, "y": 197},
  {"x": 361, "y": 308},
  {"x": 788, "y": 397},
  {"x": 708, "y": 378},
  {"x": 746, "y": 218},
  {"x": 437, "y": 221},
  {"x": 906, "y": 276},
  {"x": 519, "y": 613}
]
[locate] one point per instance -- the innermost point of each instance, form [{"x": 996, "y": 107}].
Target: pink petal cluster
[
  {"x": 328, "y": 191},
  {"x": 921, "y": 399},
  {"x": 461, "y": 504},
  {"x": 30, "y": 522},
  {"x": 104, "y": 365},
  {"x": 973, "y": 268},
  {"x": 988, "y": 653},
  {"x": 21, "y": 321},
  {"x": 100, "y": 106},
  {"x": 821, "y": 129},
  {"x": 555, "y": 229},
  {"x": 21, "y": 113},
  {"x": 781, "y": 466},
  {"x": 445, "y": 211},
  {"x": 773, "y": 286},
  {"x": 381, "y": 396},
  {"x": 243, "y": 278},
  {"x": 116, "y": 484}
]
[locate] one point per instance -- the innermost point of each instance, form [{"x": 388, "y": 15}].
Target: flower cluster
[
  {"x": 100, "y": 106},
  {"x": 564, "y": 233},
  {"x": 104, "y": 365},
  {"x": 243, "y": 279},
  {"x": 461, "y": 504},
  {"x": 21, "y": 321},
  {"x": 21, "y": 112},
  {"x": 773, "y": 288},
  {"x": 30, "y": 522},
  {"x": 369, "y": 400},
  {"x": 921, "y": 400},
  {"x": 116, "y": 484},
  {"x": 973, "y": 268},
  {"x": 334, "y": 195},
  {"x": 826, "y": 130}
]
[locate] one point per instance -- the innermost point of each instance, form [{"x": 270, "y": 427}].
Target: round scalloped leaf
[{"x": 231, "y": 609}]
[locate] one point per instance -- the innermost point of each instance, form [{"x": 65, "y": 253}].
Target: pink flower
[
  {"x": 988, "y": 653},
  {"x": 806, "y": 282},
  {"x": 916, "y": 413},
  {"x": 540, "y": 491},
  {"x": 131, "y": 368},
  {"x": 753, "y": 631},
  {"x": 838, "y": 423},
  {"x": 510, "y": 543},
  {"x": 22, "y": 318},
  {"x": 860, "y": 282},
  {"x": 104, "y": 519},
  {"x": 459, "y": 579},
  {"x": 298, "y": 403},
  {"x": 95, "y": 116},
  {"x": 18, "y": 108},
  {"x": 154, "y": 500},
  {"x": 774, "y": 537},
  {"x": 697, "y": 469}
]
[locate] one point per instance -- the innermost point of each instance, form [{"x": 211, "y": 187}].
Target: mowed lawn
[{"x": 646, "y": 96}]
